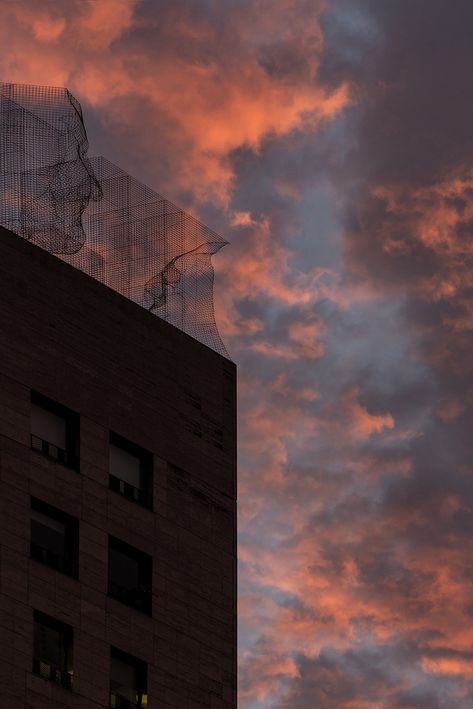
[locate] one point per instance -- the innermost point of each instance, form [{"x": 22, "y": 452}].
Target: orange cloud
[
  {"x": 363, "y": 424},
  {"x": 213, "y": 106},
  {"x": 432, "y": 216}
]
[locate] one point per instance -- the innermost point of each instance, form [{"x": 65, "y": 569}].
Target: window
[
  {"x": 54, "y": 430},
  {"x": 54, "y": 537},
  {"x": 52, "y": 654},
  {"x": 130, "y": 470},
  {"x": 127, "y": 681},
  {"x": 129, "y": 575}
]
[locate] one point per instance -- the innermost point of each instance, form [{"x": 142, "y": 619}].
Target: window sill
[
  {"x": 137, "y": 600},
  {"x": 45, "y": 558},
  {"x": 117, "y": 702},
  {"x": 52, "y": 674},
  {"x": 130, "y": 492},
  {"x": 52, "y": 452}
]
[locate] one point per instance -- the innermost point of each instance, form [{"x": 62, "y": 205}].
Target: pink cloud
[
  {"x": 353, "y": 339},
  {"x": 211, "y": 121}
]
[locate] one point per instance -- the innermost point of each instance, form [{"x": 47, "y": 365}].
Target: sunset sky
[{"x": 331, "y": 143}]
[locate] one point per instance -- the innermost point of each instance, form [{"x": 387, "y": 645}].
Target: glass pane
[
  {"x": 48, "y": 533},
  {"x": 124, "y": 570},
  {"x": 47, "y": 521},
  {"x": 49, "y": 646},
  {"x": 125, "y": 466},
  {"x": 48, "y": 426},
  {"x": 123, "y": 679}
]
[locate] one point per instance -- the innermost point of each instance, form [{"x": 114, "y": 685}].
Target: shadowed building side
[{"x": 117, "y": 499}]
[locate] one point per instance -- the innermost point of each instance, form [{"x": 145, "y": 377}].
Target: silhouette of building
[{"x": 117, "y": 498}]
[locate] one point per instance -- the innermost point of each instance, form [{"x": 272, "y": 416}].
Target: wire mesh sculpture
[
  {"x": 149, "y": 250},
  {"x": 95, "y": 216},
  {"x": 46, "y": 180}
]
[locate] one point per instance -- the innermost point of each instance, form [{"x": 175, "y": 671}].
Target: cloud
[
  {"x": 331, "y": 141},
  {"x": 202, "y": 86},
  {"x": 375, "y": 493}
]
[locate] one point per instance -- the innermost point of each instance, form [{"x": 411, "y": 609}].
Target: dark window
[
  {"x": 52, "y": 654},
  {"x": 54, "y": 430},
  {"x": 127, "y": 681},
  {"x": 130, "y": 470},
  {"x": 129, "y": 575},
  {"x": 54, "y": 537}
]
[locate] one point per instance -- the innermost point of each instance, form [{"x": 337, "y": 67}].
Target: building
[
  {"x": 117, "y": 499},
  {"x": 95, "y": 216}
]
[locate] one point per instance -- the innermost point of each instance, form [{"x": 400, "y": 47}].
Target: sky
[{"x": 331, "y": 143}]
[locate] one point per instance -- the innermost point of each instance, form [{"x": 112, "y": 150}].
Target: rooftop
[{"x": 93, "y": 215}]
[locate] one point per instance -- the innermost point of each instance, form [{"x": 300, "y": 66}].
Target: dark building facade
[{"x": 117, "y": 499}]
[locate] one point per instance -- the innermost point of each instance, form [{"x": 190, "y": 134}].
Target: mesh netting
[
  {"x": 46, "y": 180},
  {"x": 98, "y": 218},
  {"x": 146, "y": 248}
]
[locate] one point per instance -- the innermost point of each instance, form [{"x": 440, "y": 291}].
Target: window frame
[
  {"x": 68, "y": 456},
  {"x": 62, "y": 676},
  {"x": 143, "y": 495},
  {"x": 144, "y": 592},
  {"x": 70, "y": 563},
  {"x": 141, "y": 668}
]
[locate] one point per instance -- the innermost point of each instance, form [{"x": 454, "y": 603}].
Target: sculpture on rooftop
[
  {"x": 46, "y": 180},
  {"x": 92, "y": 214}
]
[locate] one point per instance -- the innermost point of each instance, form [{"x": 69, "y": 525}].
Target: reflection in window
[
  {"x": 129, "y": 575},
  {"x": 52, "y": 650},
  {"x": 127, "y": 681},
  {"x": 54, "y": 430},
  {"x": 54, "y": 537},
  {"x": 130, "y": 470}
]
